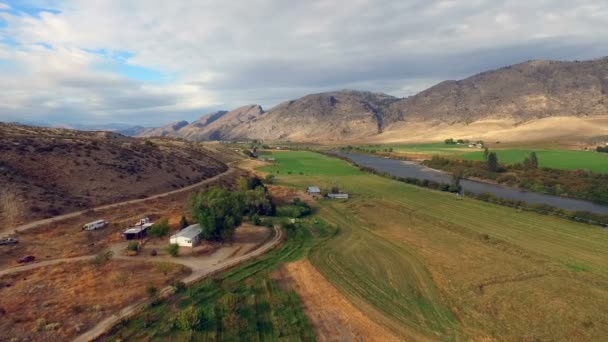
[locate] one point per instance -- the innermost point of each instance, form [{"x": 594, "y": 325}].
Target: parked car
[
  {"x": 26, "y": 259},
  {"x": 8, "y": 241}
]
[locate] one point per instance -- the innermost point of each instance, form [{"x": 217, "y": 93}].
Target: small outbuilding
[
  {"x": 137, "y": 232},
  {"x": 338, "y": 196},
  {"x": 314, "y": 190},
  {"x": 187, "y": 237}
]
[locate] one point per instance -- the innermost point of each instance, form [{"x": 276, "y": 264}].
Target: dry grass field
[{"x": 59, "y": 302}]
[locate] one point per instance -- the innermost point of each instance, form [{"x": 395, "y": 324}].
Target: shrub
[
  {"x": 173, "y": 249},
  {"x": 160, "y": 228},
  {"x": 178, "y": 286},
  {"x": 102, "y": 258},
  {"x": 133, "y": 246},
  {"x": 189, "y": 319}
]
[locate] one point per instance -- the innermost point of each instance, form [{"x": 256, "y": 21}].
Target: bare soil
[
  {"x": 332, "y": 315},
  {"x": 59, "y": 302}
]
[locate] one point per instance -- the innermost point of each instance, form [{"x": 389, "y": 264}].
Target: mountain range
[{"x": 530, "y": 96}]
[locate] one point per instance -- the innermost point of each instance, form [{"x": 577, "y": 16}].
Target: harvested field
[
  {"x": 59, "y": 302},
  {"x": 332, "y": 315},
  {"x": 449, "y": 268}
]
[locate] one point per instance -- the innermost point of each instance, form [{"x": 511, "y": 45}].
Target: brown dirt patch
[
  {"x": 58, "y": 302},
  {"x": 331, "y": 314}
]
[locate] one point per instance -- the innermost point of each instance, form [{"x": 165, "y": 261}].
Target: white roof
[
  {"x": 314, "y": 189},
  {"x": 138, "y": 229},
  {"x": 189, "y": 232},
  {"x": 95, "y": 222}
]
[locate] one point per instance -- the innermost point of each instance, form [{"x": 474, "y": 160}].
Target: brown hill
[
  {"x": 49, "y": 171},
  {"x": 522, "y": 92},
  {"x": 223, "y": 125},
  {"x": 514, "y": 95}
]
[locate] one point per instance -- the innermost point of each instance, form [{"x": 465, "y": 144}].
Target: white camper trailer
[{"x": 95, "y": 225}]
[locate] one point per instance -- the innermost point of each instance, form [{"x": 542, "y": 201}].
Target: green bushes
[
  {"x": 133, "y": 246},
  {"x": 577, "y": 184},
  {"x": 160, "y": 228},
  {"x": 173, "y": 249},
  {"x": 297, "y": 209}
]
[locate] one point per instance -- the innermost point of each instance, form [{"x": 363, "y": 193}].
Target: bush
[
  {"x": 178, "y": 286},
  {"x": 160, "y": 228},
  {"x": 102, "y": 258},
  {"x": 173, "y": 249},
  {"x": 133, "y": 246}
]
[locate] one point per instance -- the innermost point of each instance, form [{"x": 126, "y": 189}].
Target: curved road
[
  {"x": 102, "y": 327},
  {"x": 113, "y": 205},
  {"x": 201, "y": 270}
]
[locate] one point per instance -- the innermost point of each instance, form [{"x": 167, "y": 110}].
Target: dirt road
[
  {"x": 31, "y": 225},
  {"x": 103, "y": 326}
]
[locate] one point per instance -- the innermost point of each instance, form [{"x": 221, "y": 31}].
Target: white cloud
[{"x": 226, "y": 53}]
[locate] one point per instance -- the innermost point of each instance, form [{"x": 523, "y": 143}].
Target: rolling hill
[
  {"x": 45, "y": 172},
  {"x": 513, "y": 97}
]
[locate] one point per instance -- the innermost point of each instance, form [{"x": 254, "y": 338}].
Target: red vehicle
[{"x": 26, "y": 259}]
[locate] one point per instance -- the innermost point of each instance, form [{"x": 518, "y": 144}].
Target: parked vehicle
[
  {"x": 95, "y": 225},
  {"x": 26, "y": 259},
  {"x": 8, "y": 241}
]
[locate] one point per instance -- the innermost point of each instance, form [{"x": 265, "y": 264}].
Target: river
[{"x": 411, "y": 169}]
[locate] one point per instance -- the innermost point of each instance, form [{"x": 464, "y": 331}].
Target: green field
[
  {"x": 310, "y": 164},
  {"x": 425, "y": 264},
  {"x": 243, "y": 304},
  {"x": 429, "y": 148},
  {"x": 438, "y": 267},
  {"x": 556, "y": 159}
]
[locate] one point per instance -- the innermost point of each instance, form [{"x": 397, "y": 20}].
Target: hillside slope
[
  {"x": 46, "y": 172},
  {"x": 522, "y": 92}
]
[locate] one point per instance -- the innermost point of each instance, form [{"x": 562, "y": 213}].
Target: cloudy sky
[{"x": 148, "y": 62}]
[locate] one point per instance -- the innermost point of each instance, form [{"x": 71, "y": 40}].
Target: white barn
[{"x": 187, "y": 237}]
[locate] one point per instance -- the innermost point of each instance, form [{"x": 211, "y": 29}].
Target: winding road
[{"x": 7, "y": 231}]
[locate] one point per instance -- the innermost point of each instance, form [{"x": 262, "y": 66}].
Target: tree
[
  {"x": 189, "y": 319},
  {"x": 160, "y": 228},
  {"x": 455, "y": 185},
  {"x": 492, "y": 162},
  {"x": 485, "y": 153},
  {"x": 531, "y": 162},
  {"x": 173, "y": 249},
  {"x": 183, "y": 223},
  {"x": 449, "y": 141},
  {"x": 218, "y": 212}
]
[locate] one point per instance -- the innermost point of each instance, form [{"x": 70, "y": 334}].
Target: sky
[{"x": 149, "y": 62}]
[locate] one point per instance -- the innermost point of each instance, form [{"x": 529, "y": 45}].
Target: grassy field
[
  {"x": 429, "y": 148},
  {"x": 308, "y": 163},
  {"x": 439, "y": 267},
  {"x": 556, "y": 159},
  {"x": 243, "y": 304}
]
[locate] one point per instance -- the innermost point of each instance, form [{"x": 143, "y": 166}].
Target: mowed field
[
  {"x": 556, "y": 159},
  {"x": 433, "y": 266}
]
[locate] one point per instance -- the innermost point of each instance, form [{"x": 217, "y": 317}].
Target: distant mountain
[
  {"x": 515, "y": 94},
  {"x": 170, "y": 130},
  {"x": 523, "y": 92}
]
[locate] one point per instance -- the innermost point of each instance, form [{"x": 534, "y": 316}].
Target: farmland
[
  {"x": 556, "y": 159},
  {"x": 244, "y": 303},
  {"x": 434, "y": 266}
]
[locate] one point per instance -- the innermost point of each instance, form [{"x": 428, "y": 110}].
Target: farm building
[
  {"x": 187, "y": 237},
  {"x": 338, "y": 196},
  {"x": 137, "y": 232},
  {"x": 314, "y": 190}
]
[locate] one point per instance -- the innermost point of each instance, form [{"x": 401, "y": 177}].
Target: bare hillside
[
  {"x": 518, "y": 94},
  {"x": 46, "y": 172}
]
